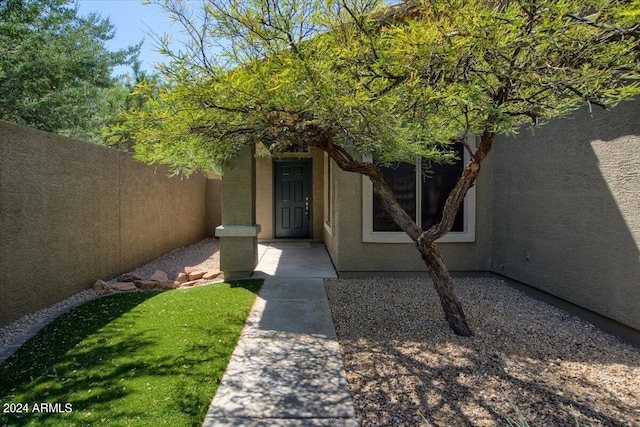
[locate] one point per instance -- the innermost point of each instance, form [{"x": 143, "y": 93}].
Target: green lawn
[{"x": 136, "y": 359}]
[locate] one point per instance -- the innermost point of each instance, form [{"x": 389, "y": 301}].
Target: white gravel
[
  {"x": 406, "y": 368},
  {"x": 203, "y": 254}
]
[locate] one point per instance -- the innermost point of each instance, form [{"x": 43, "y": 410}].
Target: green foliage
[
  {"x": 141, "y": 358},
  {"x": 54, "y": 65},
  {"x": 392, "y": 82},
  {"x": 116, "y": 102}
]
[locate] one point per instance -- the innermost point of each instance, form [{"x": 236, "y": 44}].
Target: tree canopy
[
  {"x": 393, "y": 82},
  {"x": 361, "y": 78},
  {"x": 116, "y": 101},
  {"x": 54, "y": 64}
]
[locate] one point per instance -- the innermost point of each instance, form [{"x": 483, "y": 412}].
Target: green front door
[{"x": 292, "y": 198}]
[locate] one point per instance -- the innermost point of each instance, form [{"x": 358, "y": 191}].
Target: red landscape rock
[
  {"x": 211, "y": 274},
  {"x": 159, "y": 276},
  {"x": 101, "y": 287},
  {"x": 124, "y": 286},
  {"x": 195, "y": 275}
]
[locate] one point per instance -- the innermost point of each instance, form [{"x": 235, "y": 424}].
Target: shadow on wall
[{"x": 566, "y": 210}]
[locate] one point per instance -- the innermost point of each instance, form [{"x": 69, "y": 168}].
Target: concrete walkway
[{"x": 287, "y": 369}]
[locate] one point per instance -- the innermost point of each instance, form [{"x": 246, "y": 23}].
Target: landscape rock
[
  {"x": 189, "y": 284},
  {"x": 101, "y": 287},
  {"x": 128, "y": 277},
  {"x": 211, "y": 274},
  {"x": 158, "y": 281},
  {"x": 146, "y": 285},
  {"x": 124, "y": 286},
  {"x": 168, "y": 285},
  {"x": 199, "y": 254},
  {"x": 159, "y": 276},
  {"x": 195, "y": 275}
]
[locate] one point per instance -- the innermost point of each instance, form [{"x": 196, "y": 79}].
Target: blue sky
[{"x": 132, "y": 21}]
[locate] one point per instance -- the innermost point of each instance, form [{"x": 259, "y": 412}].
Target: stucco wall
[
  {"x": 566, "y": 208},
  {"x": 214, "y": 203},
  {"x": 264, "y": 197},
  {"x": 73, "y": 212},
  {"x": 353, "y": 257}
]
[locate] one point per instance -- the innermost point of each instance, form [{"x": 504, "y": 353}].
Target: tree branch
[
  {"x": 584, "y": 96},
  {"x": 347, "y": 163},
  {"x": 457, "y": 195},
  {"x": 620, "y": 33}
]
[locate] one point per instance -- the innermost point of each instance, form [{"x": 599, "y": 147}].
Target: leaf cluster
[{"x": 122, "y": 98}]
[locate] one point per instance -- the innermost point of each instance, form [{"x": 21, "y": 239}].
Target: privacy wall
[
  {"x": 73, "y": 212},
  {"x": 566, "y": 210}
]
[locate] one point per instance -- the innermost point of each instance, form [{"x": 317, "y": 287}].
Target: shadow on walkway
[{"x": 287, "y": 369}]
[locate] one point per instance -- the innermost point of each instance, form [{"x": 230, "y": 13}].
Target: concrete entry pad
[
  {"x": 287, "y": 369},
  {"x": 294, "y": 260}
]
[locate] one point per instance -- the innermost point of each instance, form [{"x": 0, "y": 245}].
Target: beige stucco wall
[
  {"x": 157, "y": 214},
  {"x": 214, "y": 203},
  {"x": 238, "y": 234},
  {"x": 353, "y": 257},
  {"x": 264, "y": 196},
  {"x": 264, "y": 192},
  {"x": 567, "y": 210},
  {"x": 73, "y": 212}
]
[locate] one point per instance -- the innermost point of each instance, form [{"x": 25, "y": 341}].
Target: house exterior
[{"x": 558, "y": 210}]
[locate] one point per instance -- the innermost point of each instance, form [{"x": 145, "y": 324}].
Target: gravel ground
[
  {"x": 204, "y": 254},
  {"x": 405, "y": 367}
]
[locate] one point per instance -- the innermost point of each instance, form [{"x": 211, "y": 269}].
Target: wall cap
[{"x": 238, "y": 230}]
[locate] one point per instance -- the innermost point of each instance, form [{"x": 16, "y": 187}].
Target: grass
[{"x": 139, "y": 358}]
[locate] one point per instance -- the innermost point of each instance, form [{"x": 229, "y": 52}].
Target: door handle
[{"x": 306, "y": 207}]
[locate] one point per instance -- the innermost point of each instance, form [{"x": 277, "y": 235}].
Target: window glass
[
  {"x": 432, "y": 195},
  {"x": 402, "y": 179},
  {"x": 435, "y": 189}
]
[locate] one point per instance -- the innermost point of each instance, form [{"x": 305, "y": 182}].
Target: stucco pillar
[{"x": 239, "y": 233}]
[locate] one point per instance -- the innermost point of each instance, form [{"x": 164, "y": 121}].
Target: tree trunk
[
  {"x": 446, "y": 291},
  {"x": 424, "y": 240}
]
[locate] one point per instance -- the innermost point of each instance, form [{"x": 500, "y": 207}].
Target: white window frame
[
  {"x": 469, "y": 218},
  {"x": 329, "y": 194}
]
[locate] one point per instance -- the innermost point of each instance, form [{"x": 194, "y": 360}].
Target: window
[
  {"x": 402, "y": 180},
  {"x": 422, "y": 198}
]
